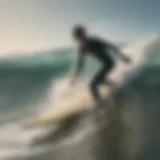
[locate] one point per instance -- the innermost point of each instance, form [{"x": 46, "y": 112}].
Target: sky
[{"x": 30, "y": 25}]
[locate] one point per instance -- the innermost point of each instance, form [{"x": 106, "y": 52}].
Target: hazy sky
[{"x": 27, "y": 25}]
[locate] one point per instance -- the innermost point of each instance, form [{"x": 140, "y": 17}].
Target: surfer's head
[{"x": 79, "y": 33}]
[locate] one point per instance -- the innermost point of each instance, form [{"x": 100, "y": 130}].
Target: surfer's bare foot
[{"x": 100, "y": 104}]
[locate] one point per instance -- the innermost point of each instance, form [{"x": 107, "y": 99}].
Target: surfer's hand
[
  {"x": 127, "y": 60},
  {"x": 73, "y": 82}
]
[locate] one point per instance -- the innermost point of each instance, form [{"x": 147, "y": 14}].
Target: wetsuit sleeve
[
  {"x": 80, "y": 61},
  {"x": 116, "y": 50},
  {"x": 112, "y": 47},
  {"x": 107, "y": 45}
]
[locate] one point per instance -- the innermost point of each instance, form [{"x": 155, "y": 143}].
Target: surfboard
[{"x": 81, "y": 102}]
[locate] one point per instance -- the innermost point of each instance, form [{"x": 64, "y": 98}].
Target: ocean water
[{"x": 32, "y": 84}]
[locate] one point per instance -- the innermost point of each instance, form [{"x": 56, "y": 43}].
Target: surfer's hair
[{"x": 79, "y": 30}]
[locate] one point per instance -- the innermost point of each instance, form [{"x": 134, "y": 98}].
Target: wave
[
  {"x": 24, "y": 95},
  {"x": 47, "y": 63}
]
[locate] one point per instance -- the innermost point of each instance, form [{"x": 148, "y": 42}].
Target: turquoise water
[{"x": 27, "y": 84}]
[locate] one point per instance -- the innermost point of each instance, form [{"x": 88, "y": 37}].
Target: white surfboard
[{"x": 78, "y": 103}]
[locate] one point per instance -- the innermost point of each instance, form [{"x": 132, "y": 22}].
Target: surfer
[{"x": 99, "y": 49}]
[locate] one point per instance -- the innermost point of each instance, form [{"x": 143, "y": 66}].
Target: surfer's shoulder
[{"x": 97, "y": 39}]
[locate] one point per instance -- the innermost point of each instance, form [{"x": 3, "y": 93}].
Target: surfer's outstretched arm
[
  {"x": 80, "y": 63},
  {"x": 117, "y": 51},
  {"x": 79, "y": 67}
]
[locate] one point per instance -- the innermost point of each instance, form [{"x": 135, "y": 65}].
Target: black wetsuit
[{"x": 100, "y": 50}]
